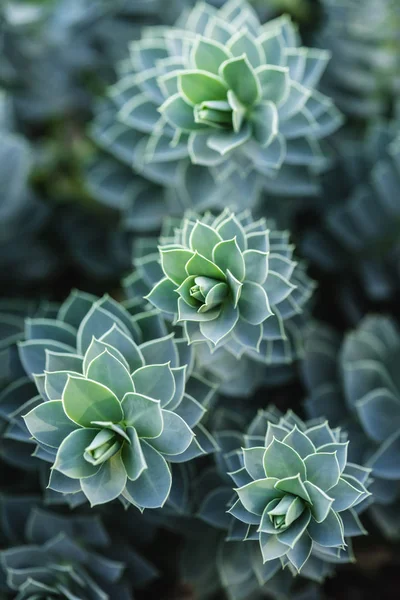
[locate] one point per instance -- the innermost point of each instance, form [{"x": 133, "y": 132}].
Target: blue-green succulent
[
  {"x": 355, "y": 383},
  {"x": 182, "y": 117},
  {"x": 231, "y": 282},
  {"x": 49, "y": 555},
  {"x": 115, "y": 404}
]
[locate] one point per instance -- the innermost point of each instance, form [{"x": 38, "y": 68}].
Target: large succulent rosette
[
  {"x": 220, "y": 106},
  {"x": 113, "y": 410},
  {"x": 232, "y": 283}
]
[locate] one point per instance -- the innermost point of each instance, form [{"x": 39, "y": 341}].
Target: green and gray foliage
[
  {"x": 356, "y": 382},
  {"x": 112, "y": 411},
  {"x": 219, "y": 107},
  {"x": 232, "y": 283}
]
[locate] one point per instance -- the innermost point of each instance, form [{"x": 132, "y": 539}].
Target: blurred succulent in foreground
[
  {"x": 230, "y": 111},
  {"x": 356, "y": 384},
  {"x": 48, "y": 555},
  {"x": 115, "y": 401},
  {"x": 364, "y": 38},
  {"x": 231, "y": 282},
  {"x": 285, "y": 506},
  {"x": 361, "y": 231}
]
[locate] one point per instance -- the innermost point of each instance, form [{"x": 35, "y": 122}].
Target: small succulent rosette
[
  {"x": 232, "y": 283},
  {"x": 219, "y": 107},
  {"x": 298, "y": 495},
  {"x": 114, "y": 410}
]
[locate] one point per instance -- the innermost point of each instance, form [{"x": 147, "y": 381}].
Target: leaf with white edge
[
  {"x": 179, "y": 113},
  {"x": 217, "y": 329},
  {"x": 239, "y": 512},
  {"x": 255, "y": 495},
  {"x": 345, "y": 495},
  {"x": 190, "y": 410},
  {"x": 173, "y": 263},
  {"x": 60, "y": 483},
  {"x": 144, "y": 414},
  {"x": 132, "y": 455},
  {"x": 109, "y": 371},
  {"x": 189, "y": 313},
  {"x": 227, "y": 256},
  {"x": 256, "y": 265},
  {"x": 249, "y": 336},
  {"x": 95, "y": 324},
  {"x": 320, "y": 434},
  {"x": 271, "y": 547},
  {"x": 203, "y": 239},
  {"x": 281, "y": 461},
  {"x": 274, "y": 83},
  {"x": 299, "y": 442},
  {"x": 155, "y": 381},
  {"x": 62, "y": 361},
  {"x": 49, "y": 424},
  {"x": 235, "y": 287},
  {"x": 264, "y": 121},
  {"x": 301, "y": 552},
  {"x": 161, "y": 350},
  {"x": 253, "y": 303},
  {"x": 175, "y": 437},
  {"x": 208, "y": 55},
  {"x": 163, "y": 296},
  {"x": 126, "y": 347},
  {"x": 33, "y": 354},
  {"x": 97, "y": 347},
  {"x": 231, "y": 228},
  {"x": 200, "y": 152},
  {"x": 241, "y": 78},
  {"x": 320, "y": 502},
  {"x": 55, "y": 383},
  {"x": 179, "y": 375},
  {"x": 152, "y": 488},
  {"x": 69, "y": 459},
  {"x": 253, "y": 462},
  {"x": 198, "y": 86},
  {"x": 323, "y": 470},
  {"x": 107, "y": 484},
  {"x": 297, "y": 528},
  {"x": 198, "y": 265},
  {"x": 225, "y": 142},
  {"x": 329, "y": 533},
  {"x": 341, "y": 449},
  {"x": 244, "y": 44},
  {"x": 379, "y": 413},
  {"x": 293, "y": 485},
  {"x": 85, "y": 401}
]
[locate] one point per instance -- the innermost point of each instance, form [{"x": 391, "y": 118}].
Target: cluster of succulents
[{"x": 199, "y": 335}]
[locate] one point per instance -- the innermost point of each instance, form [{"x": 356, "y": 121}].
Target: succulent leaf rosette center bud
[{"x": 300, "y": 494}]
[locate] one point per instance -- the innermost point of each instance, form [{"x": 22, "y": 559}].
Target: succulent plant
[
  {"x": 15, "y": 387},
  {"x": 360, "y": 232},
  {"x": 231, "y": 282},
  {"x": 50, "y": 555},
  {"x": 355, "y": 383},
  {"x": 245, "y": 569},
  {"x": 182, "y": 117},
  {"x": 364, "y": 38},
  {"x": 297, "y": 491},
  {"x": 114, "y": 405}
]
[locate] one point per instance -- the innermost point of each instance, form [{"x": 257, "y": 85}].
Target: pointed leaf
[
  {"x": 132, "y": 455},
  {"x": 144, "y": 414},
  {"x": 86, "y": 401},
  {"x": 107, "y": 484},
  {"x": 253, "y": 303},
  {"x": 322, "y": 470},
  {"x": 49, "y": 424},
  {"x": 281, "y": 461},
  {"x": 69, "y": 459},
  {"x": 156, "y": 382},
  {"x": 109, "y": 371},
  {"x": 175, "y": 437},
  {"x": 152, "y": 488}
]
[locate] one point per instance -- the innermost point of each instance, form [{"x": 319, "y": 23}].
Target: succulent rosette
[
  {"x": 298, "y": 494},
  {"x": 113, "y": 410},
  {"x": 219, "y": 107},
  {"x": 356, "y": 380},
  {"x": 231, "y": 282}
]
